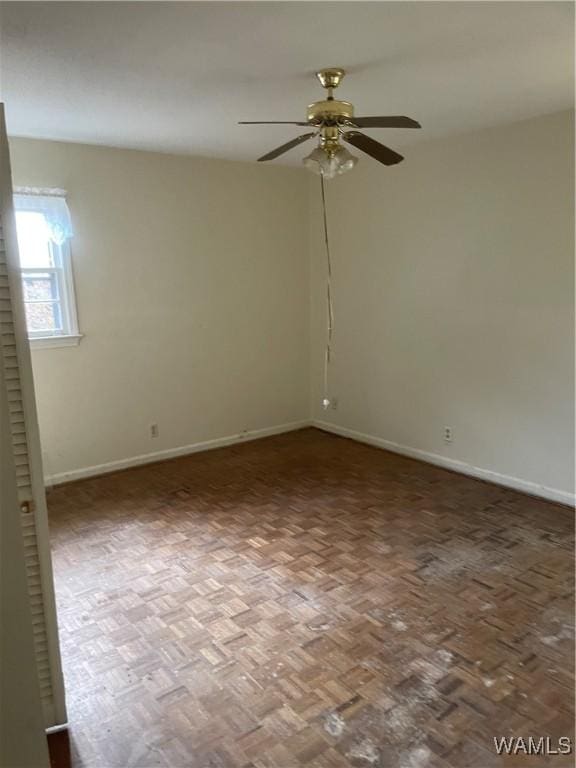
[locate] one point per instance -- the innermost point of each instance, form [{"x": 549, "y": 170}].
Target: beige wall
[
  {"x": 192, "y": 287},
  {"x": 453, "y": 287},
  {"x": 454, "y": 300}
]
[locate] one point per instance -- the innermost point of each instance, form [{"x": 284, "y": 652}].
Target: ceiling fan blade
[
  {"x": 285, "y": 147},
  {"x": 391, "y": 121},
  {"x": 269, "y": 122},
  {"x": 372, "y": 147}
]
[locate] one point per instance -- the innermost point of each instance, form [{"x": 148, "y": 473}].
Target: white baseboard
[
  {"x": 171, "y": 453},
  {"x": 56, "y": 728},
  {"x": 526, "y": 486}
]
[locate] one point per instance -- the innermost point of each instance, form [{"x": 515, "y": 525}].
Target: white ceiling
[{"x": 176, "y": 77}]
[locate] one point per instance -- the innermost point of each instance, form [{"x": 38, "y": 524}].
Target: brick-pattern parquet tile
[{"x": 307, "y": 600}]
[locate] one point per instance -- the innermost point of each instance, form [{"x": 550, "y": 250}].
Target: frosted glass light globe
[{"x": 330, "y": 165}]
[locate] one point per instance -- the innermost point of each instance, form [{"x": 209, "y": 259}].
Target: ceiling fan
[{"x": 332, "y": 120}]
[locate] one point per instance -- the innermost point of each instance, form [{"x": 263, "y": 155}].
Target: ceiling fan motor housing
[{"x": 330, "y": 111}]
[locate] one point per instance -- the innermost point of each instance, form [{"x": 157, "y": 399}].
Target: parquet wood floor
[{"x": 305, "y": 600}]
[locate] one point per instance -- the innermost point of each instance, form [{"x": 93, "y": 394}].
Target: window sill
[{"x": 49, "y": 342}]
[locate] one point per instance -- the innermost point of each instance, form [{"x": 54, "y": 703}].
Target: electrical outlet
[
  {"x": 334, "y": 403},
  {"x": 448, "y": 435},
  {"x": 153, "y": 430}
]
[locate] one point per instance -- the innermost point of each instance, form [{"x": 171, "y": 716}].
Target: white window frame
[{"x": 67, "y": 298}]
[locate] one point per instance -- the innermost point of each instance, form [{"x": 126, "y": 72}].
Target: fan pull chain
[{"x": 330, "y": 310}]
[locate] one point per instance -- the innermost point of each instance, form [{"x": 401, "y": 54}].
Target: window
[{"x": 44, "y": 231}]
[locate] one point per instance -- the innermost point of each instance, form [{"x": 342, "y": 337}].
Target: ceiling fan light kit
[
  {"x": 331, "y": 120},
  {"x": 330, "y": 164}
]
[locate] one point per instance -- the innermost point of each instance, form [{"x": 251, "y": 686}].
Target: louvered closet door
[{"x": 15, "y": 358}]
